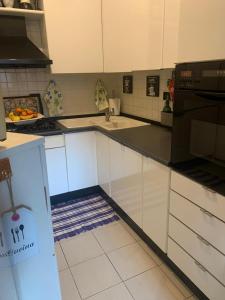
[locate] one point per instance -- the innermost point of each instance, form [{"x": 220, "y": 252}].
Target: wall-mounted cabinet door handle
[
  {"x": 203, "y": 240},
  {"x": 206, "y": 212},
  {"x": 200, "y": 266}
]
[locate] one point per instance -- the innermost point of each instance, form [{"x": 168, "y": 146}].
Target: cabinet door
[
  {"x": 155, "y": 201},
  {"x": 133, "y": 34},
  {"x": 37, "y": 277},
  {"x": 170, "y": 33},
  {"x": 202, "y": 28},
  {"x": 102, "y": 152},
  {"x": 81, "y": 160},
  {"x": 125, "y": 173},
  {"x": 57, "y": 170},
  {"x": 74, "y": 34}
]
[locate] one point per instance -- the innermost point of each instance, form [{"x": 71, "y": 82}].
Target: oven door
[{"x": 199, "y": 126}]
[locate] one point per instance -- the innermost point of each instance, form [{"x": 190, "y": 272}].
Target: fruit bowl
[{"x": 24, "y": 122}]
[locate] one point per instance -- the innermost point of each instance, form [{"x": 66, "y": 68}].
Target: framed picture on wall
[{"x": 152, "y": 86}]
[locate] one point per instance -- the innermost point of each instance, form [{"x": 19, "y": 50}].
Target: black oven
[{"x": 198, "y": 139}]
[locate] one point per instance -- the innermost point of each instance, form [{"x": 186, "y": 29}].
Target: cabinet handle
[
  {"x": 206, "y": 212},
  {"x": 200, "y": 266},
  {"x": 203, "y": 240},
  {"x": 209, "y": 190},
  {"x": 46, "y": 198}
]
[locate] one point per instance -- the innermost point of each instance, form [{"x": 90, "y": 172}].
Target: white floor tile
[
  {"x": 68, "y": 287},
  {"x": 150, "y": 252},
  {"x": 153, "y": 285},
  {"x": 80, "y": 248},
  {"x": 118, "y": 292},
  {"x": 61, "y": 261},
  {"x": 177, "y": 281},
  {"x": 94, "y": 276},
  {"x": 131, "y": 260},
  {"x": 130, "y": 230},
  {"x": 113, "y": 236}
]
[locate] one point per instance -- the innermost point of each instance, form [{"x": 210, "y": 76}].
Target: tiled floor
[{"x": 112, "y": 263}]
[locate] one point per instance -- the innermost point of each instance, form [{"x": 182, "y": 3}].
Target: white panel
[
  {"x": 54, "y": 141},
  {"x": 201, "y": 30},
  {"x": 198, "y": 248},
  {"x": 198, "y": 194},
  {"x": 57, "y": 171},
  {"x": 126, "y": 180},
  {"x": 207, "y": 226},
  {"x": 155, "y": 201},
  {"x": 103, "y": 162},
  {"x": 74, "y": 35},
  {"x": 37, "y": 277},
  {"x": 81, "y": 160},
  {"x": 171, "y": 29},
  {"x": 209, "y": 285}
]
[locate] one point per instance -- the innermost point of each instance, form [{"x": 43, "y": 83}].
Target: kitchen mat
[{"x": 80, "y": 215}]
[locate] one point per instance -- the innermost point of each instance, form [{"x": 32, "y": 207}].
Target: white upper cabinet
[
  {"x": 170, "y": 32},
  {"x": 202, "y": 29},
  {"x": 74, "y": 35},
  {"x": 132, "y": 34}
]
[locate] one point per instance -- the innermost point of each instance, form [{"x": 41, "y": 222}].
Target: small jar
[
  {"x": 8, "y": 3},
  {"x": 25, "y": 4}
]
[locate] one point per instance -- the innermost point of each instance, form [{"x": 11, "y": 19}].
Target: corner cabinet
[
  {"x": 74, "y": 35},
  {"x": 81, "y": 160},
  {"x": 201, "y": 30}
]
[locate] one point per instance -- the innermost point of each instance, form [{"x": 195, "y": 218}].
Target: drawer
[
  {"x": 198, "y": 248},
  {"x": 199, "y": 220},
  {"x": 198, "y": 194},
  {"x": 197, "y": 274},
  {"x": 54, "y": 141}
]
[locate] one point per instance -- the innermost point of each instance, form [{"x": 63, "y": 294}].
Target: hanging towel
[
  {"x": 101, "y": 100},
  {"x": 53, "y": 99}
]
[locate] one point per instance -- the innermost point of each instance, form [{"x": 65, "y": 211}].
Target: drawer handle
[
  {"x": 200, "y": 266},
  {"x": 203, "y": 240},
  {"x": 209, "y": 190},
  {"x": 206, "y": 212}
]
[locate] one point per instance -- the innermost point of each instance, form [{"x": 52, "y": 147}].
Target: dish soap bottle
[{"x": 25, "y": 4}]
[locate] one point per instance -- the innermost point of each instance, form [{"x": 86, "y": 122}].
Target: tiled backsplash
[{"x": 79, "y": 89}]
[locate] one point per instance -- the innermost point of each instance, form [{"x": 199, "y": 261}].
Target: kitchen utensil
[
  {"x": 17, "y": 231},
  {"x": 1, "y": 239},
  {"x": 14, "y": 239},
  {"x": 8, "y": 3},
  {"x": 22, "y": 229}
]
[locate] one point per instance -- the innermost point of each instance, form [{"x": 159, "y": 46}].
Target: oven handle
[{"x": 211, "y": 95}]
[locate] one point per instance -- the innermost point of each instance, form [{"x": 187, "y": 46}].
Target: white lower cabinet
[
  {"x": 196, "y": 272},
  {"x": 81, "y": 160},
  {"x": 56, "y": 164},
  {"x": 126, "y": 180},
  {"x": 155, "y": 201},
  {"x": 103, "y": 162}
]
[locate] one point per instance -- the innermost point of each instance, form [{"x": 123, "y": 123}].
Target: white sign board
[{"x": 18, "y": 237}]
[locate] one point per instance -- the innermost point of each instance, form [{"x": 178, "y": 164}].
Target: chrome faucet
[{"x": 108, "y": 113}]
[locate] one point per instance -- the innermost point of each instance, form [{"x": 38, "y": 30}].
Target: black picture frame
[
  {"x": 128, "y": 84},
  {"x": 152, "y": 86}
]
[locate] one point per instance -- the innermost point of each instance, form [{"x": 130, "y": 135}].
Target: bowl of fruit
[{"x": 22, "y": 116}]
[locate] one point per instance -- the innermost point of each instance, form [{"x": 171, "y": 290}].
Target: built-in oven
[{"x": 198, "y": 139}]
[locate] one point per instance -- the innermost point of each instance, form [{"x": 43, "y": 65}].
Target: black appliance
[
  {"x": 198, "y": 139},
  {"x": 16, "y": 50}
]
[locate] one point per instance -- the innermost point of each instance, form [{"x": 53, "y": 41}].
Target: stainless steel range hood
[{"x": 16, "y": 50}]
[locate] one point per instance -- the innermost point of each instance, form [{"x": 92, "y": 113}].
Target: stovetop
[{"x": 40, "y": 127}]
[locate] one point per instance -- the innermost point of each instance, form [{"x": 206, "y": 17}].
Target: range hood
[{"x": 16, "y": 50}]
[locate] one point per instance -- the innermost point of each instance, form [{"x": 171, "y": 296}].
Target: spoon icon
[{"x": 21, "y": 227}]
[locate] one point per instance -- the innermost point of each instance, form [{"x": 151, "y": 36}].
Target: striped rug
[{"x": 80, "y": 215}]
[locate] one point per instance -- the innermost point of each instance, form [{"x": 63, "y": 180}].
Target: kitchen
[{"x": 163, "y": 234}]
